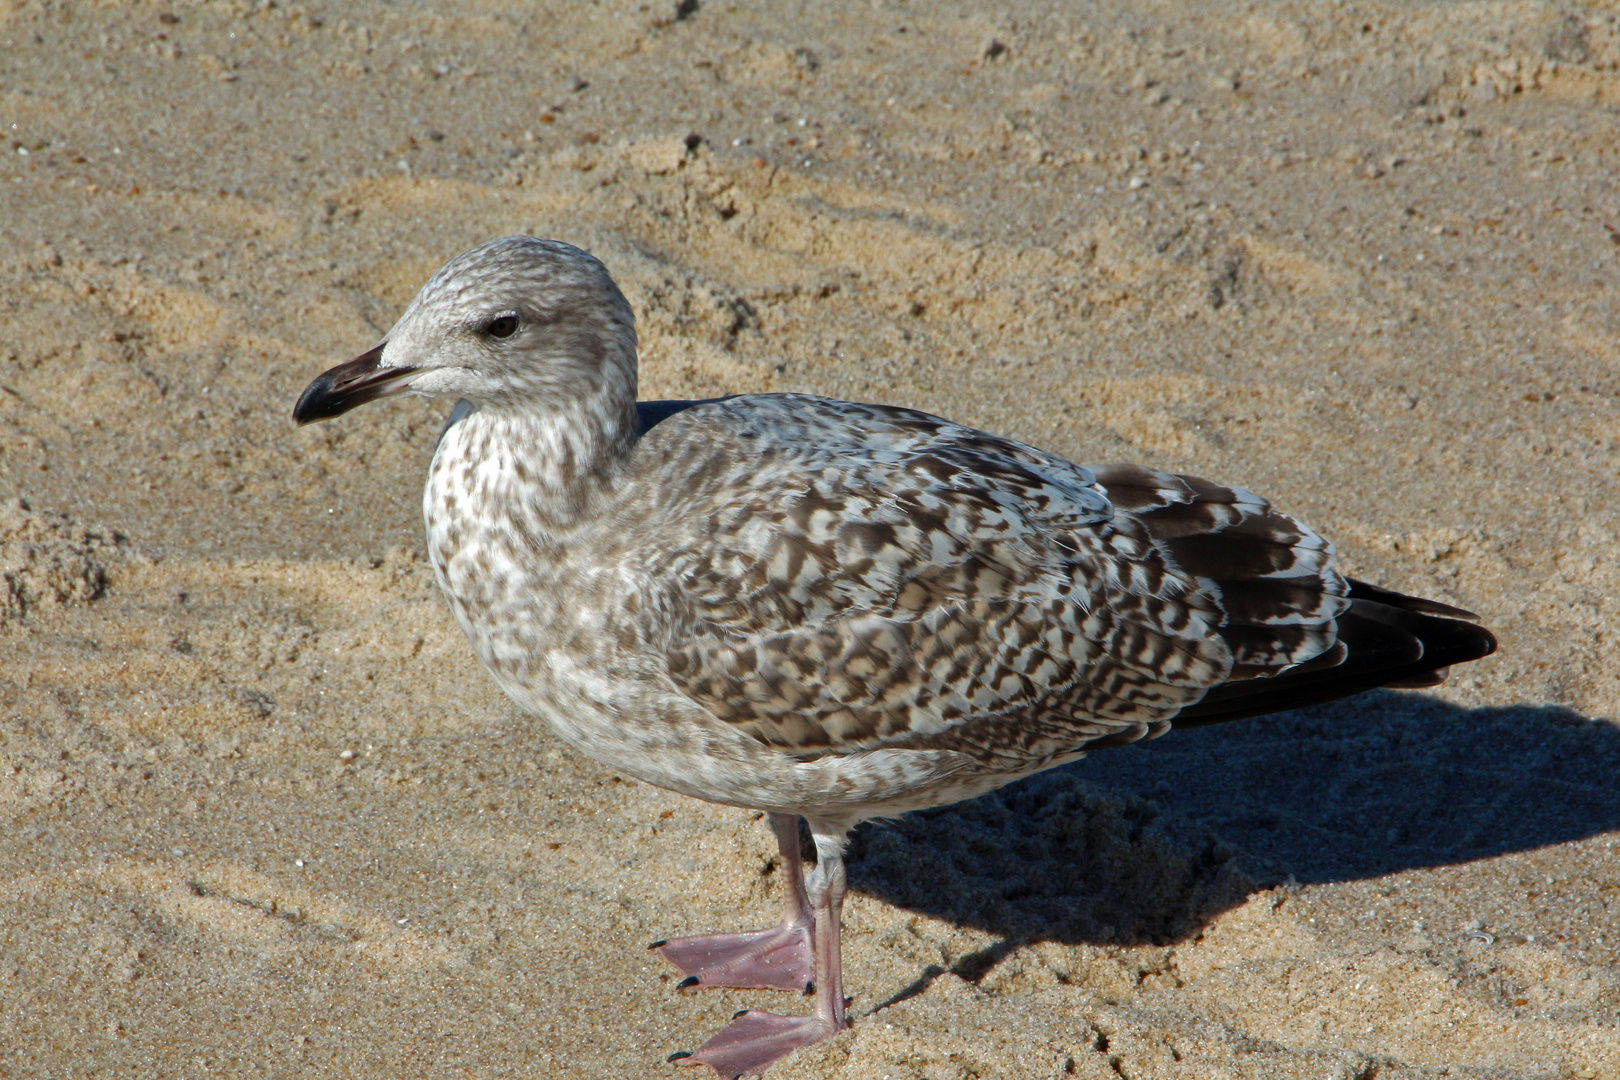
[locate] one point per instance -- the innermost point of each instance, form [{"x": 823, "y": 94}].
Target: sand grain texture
[{"x": 263, "y": 815}]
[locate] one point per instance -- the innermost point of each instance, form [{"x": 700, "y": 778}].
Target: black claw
[
  {"x": 677, "y": 1055},
  {"x": 659, "y": 944},
  {"x": 741, "y": 1012},
  {"x": 810, "y": 987},
  {"x": 690, "y": 980}
]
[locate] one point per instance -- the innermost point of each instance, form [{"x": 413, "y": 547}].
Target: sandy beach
[{"x": 262, "y": 813}]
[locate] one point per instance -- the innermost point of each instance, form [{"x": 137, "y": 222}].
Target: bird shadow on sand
[{"x": 1145, "y": 845}]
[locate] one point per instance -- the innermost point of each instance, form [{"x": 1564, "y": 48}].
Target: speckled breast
[{"x": 491, "y": 560}]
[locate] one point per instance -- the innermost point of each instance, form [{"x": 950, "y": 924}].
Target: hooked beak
[{"x": 350, "y": 385}]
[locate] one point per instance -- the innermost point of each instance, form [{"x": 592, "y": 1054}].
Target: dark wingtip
[
  {"x": 1396, "y": 644},
  {"x": 1360, "y": 590}
]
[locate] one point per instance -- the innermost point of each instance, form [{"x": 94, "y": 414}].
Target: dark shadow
[{"x": 1145, "y": 844}]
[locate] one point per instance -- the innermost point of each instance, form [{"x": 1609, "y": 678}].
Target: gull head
[{"x": 514, "y": 323}]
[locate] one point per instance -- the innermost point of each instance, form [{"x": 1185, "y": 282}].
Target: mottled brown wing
[
  {"x": 950, "y": 595},
  {"x": 1275, "y": 596},
  {"x": 1272, "y": 577}
]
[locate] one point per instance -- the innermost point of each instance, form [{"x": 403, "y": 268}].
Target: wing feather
[
  {"x": 932, "y": 580},
  {"x": 881, "y": 578}
]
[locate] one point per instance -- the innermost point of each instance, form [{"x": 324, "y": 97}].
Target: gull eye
[{"x": 502, "y": 327}]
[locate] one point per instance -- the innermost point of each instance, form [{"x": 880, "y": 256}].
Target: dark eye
[{"x": 502, "y": 327}]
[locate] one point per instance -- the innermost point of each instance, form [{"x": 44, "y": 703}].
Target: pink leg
[
  {"x": 754, "y": 1040},
  {"x": 780, "y": 958}
]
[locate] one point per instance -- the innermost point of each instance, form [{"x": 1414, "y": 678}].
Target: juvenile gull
[{"x": 831, "y": 610}]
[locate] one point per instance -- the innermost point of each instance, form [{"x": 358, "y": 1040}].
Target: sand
[{"x": 264, "y": 816}]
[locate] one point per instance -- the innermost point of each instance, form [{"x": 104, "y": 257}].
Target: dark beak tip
[
  {"x": 347, "y": 386},
  {"x": 310, "y": 403}
]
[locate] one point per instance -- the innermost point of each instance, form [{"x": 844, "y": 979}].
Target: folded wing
[{"x": 960, "y": 591}]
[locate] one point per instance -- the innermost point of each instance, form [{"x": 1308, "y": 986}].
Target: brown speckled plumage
[{"x": 836, "y": 610}]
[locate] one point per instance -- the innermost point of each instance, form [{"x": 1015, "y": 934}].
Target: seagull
[{"x": 828, "y": 610}]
